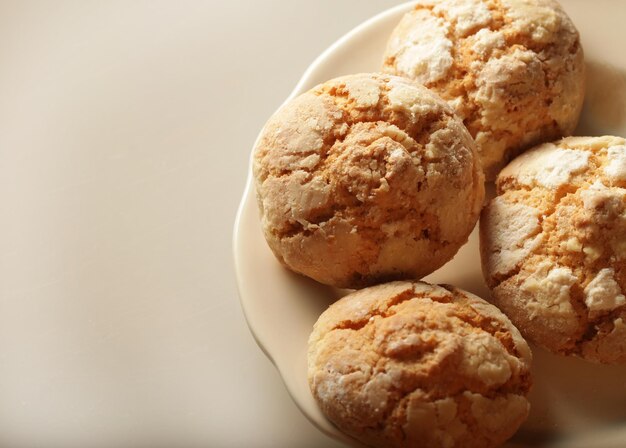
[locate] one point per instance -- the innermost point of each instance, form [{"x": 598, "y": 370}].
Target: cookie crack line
[
  {"x": 539, "y": 249},
  {"x": 594, "y": 329},
  {"x": 487, "y": 324},
  {"x": 396, "y": 300},
  {"x": 297, "y": 227},
  {"x": 498, "y": 279}
]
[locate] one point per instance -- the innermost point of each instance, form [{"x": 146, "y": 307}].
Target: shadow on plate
[
  {"x": 571, "y": 399},
  {"x": 604, "y": 111}
]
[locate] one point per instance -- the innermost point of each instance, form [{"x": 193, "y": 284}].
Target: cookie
[
  {"x": 366, "y": 178},
  {"x": 553, "y": 246},
  {"x": 408, "y": 364},
  {"x": 512, "y": 69}
]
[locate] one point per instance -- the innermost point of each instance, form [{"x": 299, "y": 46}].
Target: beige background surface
[{"x": 125, "y": 129}]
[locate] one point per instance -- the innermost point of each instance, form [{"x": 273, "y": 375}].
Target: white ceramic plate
[{"x": 574, "y": 403}]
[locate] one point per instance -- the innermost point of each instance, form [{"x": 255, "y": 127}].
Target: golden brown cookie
[
  {"x": 366, "y": 178},
  {"x": 553, "y": 245},
  {"x": 512, "y": 69},
  {"x": 408, "y": 364}
]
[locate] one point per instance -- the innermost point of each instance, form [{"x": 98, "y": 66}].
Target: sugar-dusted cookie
[
  {"x": 408, "y": 364},
  {"x": 553, "y": 245},
  {"x": 366, "y": 178},
  {"x": 513, "y": 69}
]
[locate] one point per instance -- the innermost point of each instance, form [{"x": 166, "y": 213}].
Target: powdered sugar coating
[
  {"x": 616, "y": 168},
  {"x": 550, "y": 166},
  {"x": 603, "y": 293},
  {"x": 467, "y": 16},
  {"x": 486, "y": 41},
  {"x": 425, "y": 54}
]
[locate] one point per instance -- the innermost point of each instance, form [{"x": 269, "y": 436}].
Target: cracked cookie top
[
  {"x": 412, "y": 364},
  {"x": 553, "y": 245},
  {"x": 366, "y": 178},
  {"x": 512, "y": 69}
]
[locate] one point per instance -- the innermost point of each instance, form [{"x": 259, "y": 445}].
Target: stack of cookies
[{"x": 375, "y": 180}]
